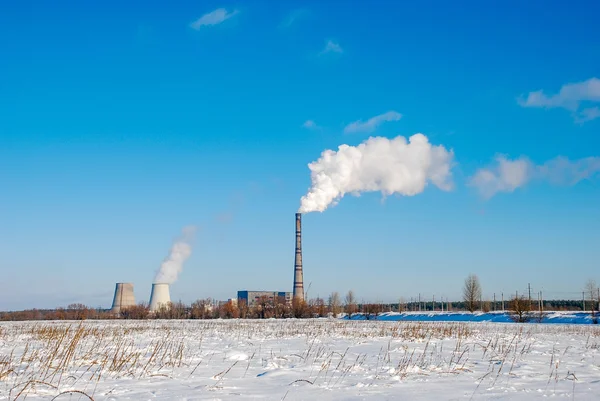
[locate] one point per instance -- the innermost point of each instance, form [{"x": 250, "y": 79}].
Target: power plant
[
  {"x": 159, "y": 296},
  {"x": 298, "y": 274},
  {"x": 123, "y": 297}
]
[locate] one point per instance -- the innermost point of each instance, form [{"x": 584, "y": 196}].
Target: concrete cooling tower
[
  {"x": 159, "y": 296},
  {"x": 123, "y": 297}
]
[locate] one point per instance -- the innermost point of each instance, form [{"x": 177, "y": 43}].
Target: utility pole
[
  {"x": 502, "y": 301},
  {"x": 494, "y": 302},
  {"x": 419, "y": 302},
  {"x": 583, "y": 299},
  {"x": 433, "y": 304},
  {"x": 529, "y": 289}
]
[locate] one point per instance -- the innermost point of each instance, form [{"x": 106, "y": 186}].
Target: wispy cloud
[
  {"x": 224, "y": 217},
  {"x": 570, "y": 97},
  {"x": 507, "y": 175},
  {"x": 587, "y": 114},
  {"x": 310, "y": 124},
  {"x": 293, "y": 16},
  {"x": 562, "y": 171},
  {"x": 372, "y": 123},
  {"x": 213, "y": 18},
  {"x": 332, "y": 47}
]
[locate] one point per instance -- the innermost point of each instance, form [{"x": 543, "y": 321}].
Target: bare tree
[
  {"x": 140, "y": 311},
  {"x": 300, "y": 308},
  {"x": 520, "y": 309},
  {"x": 228, "y": 310},
  {"x": 472, "y": 292},
  {"x": 350, "y": 302},
  {"x": 371, "y": 311},
  {"x": 591, "y": 291},
  {"x": 243, "y": 308},
  {"x": 78, "y": 311},
  {"x": 282, "y": 308},
  {"x": 201, "y": 309},
  {"x": 318, "y": 307},
  {"x": 334, "y": 303},
  {"x": 591, "y": 288}
]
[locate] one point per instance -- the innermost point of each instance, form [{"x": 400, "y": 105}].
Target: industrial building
[{"x": 251, "y": 298}]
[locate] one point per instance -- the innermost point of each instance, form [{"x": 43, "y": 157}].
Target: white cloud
[
  {"x": 310, "y": 124},
  {"x": 213, "y": 18},
  {"x": 332, "y": 47},
  {"x": 507, "y": 175},
  {"x": 372, "y": 123},
  {"x": 570, "y": 98}
]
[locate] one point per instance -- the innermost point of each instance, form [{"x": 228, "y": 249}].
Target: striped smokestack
[{"x": 298, "y": 275}]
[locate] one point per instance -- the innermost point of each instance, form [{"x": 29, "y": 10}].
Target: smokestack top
[{"x": 298, "y": 215}]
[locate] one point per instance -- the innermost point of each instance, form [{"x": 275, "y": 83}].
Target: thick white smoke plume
[
  {"x": 391, "y": 166},
  {"x": 180, "y": 252}
]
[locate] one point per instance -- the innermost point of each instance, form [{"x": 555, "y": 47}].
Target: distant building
[{"x": 252, "y": 297}]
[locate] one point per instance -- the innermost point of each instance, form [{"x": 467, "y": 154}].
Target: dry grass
[{"x": 51, "y": 358}]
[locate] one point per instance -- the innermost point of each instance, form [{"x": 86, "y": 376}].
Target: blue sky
[{"x": 121, "y": 124}]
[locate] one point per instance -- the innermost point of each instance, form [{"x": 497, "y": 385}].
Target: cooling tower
[
  {"x": 298, "y": 275},
  {"x": 159, "y": 296},
  {"x": 123, "y": 297}
]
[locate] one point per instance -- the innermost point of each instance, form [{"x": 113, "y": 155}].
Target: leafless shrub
[{"x": 520, "y": 309}]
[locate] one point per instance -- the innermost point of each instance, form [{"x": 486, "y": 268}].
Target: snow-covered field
[
  {"x": 298, "y": 360},
  {"x": 496, "y": 317}
]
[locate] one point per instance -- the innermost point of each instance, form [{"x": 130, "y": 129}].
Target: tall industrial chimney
[
  {"x": 123, "y": 297},
  {"x": 298, "y": 274},
  {"x": 159, "y": 296}
]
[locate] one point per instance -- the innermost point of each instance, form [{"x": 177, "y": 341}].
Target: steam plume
[
  {"x": 180, "y": 252},
  {"x": 390, "y": 166}
]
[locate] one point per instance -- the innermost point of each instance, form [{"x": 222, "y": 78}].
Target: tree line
[
  {"x": 520, "y": 307},
  {"x": 523, "y": 308}
]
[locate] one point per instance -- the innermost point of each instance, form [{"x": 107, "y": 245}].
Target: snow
[
  {"x": 497, "y": 317},
  {"x": 317, "y": 359}
]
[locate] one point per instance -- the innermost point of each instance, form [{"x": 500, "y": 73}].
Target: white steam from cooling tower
[
  {"x": 389, "y": 166},
  {"x": 180, "y": 252}
]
